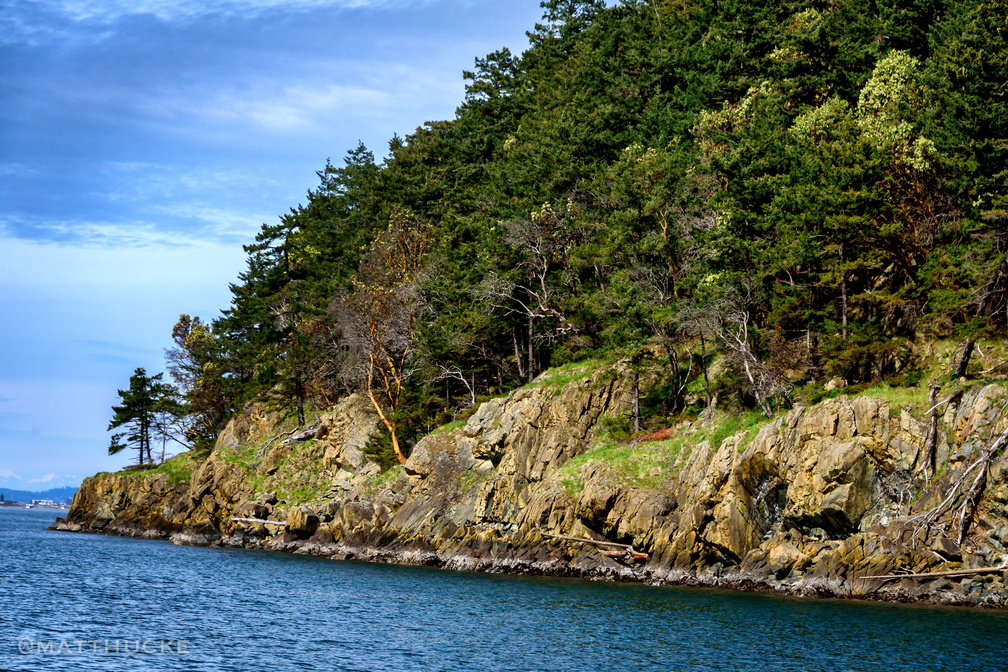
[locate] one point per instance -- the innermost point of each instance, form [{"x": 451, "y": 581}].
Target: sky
[{"x": 142, "y": 142}]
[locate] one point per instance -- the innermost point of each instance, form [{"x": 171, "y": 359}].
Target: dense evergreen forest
[{"x": 801, "y": 190}]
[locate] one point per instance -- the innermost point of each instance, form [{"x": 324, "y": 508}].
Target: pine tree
[{"x": 142, "y": 403}]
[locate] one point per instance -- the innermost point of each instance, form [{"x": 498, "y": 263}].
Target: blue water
[{"x": 244, "y": 610}]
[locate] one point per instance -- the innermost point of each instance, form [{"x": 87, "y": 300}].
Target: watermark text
[{"x": 101, "y": 647}]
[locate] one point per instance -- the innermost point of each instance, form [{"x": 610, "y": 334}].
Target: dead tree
[
  {"x": 967, "y": 509},
  {"x": 931, "y": 443},
  {"x": 730, "y": 322},
  {"x": 455, "y": 373},
  {"x": 545, "y": 240}
]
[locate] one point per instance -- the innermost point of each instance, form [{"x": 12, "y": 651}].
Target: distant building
[{"x": 43, "y": 504}]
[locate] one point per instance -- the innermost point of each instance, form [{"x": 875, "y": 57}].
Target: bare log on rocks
[
  {"x": 941, "y": 575},
  {"x": 969, "y": 505}
]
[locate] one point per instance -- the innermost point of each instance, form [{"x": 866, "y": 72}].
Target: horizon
[{"x": 143, "y": 143}]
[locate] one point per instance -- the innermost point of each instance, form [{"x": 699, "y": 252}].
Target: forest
[{"x": 800, "y": 191}]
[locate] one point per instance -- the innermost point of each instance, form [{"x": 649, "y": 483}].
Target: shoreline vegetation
[
  {"x": 828, "y": 500},
  {"x": 719, "y": 284}
]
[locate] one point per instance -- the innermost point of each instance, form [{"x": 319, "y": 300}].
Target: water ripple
[{"x": 245, "y": 610}]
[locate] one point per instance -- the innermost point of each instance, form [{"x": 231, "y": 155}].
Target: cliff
[{"x": 811, "y": 503}]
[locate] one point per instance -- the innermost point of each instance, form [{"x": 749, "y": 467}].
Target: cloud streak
[
  {"x": 107, "y": 11},
  {"x": 143, "y": 141}
]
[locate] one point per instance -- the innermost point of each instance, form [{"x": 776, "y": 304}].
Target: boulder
[{"x": 302, "y": 522}]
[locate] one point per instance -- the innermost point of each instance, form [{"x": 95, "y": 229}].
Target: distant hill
[{"x": 56, "y": 494}]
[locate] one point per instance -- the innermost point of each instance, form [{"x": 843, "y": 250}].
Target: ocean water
[{"x": 85, "y": 602}]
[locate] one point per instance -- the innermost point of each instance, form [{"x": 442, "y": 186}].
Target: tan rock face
[
  {"x": 302, "y": 521},
  {"x": 814, "y": 500}
]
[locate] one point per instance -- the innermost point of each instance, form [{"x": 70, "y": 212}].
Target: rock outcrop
[{"x": 815, "y": 502}]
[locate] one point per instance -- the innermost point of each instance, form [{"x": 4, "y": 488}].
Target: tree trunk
[
  {"x": 703, "y": 363},
  {"x": 843, "y": 297},
  {"x": 519, "y": 359},
  {"x": 144, "y": 436},
  {"x": 150, "y": 458},
  {"x": 843, "y": 306},
  {"x": 931, "y": 444},
  {"x": 636, "y": 402},
  {"x": 299, "y": 394},
  {"x": 767, "y": 411},
  {"x": 673, "y": 362},
  {"x": 531, "y": 354},
  {"x": 384, "y": 419},
  {"x": 963, "y": 365}
]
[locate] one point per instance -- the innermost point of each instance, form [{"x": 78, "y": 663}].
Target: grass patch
[
  {"x": 377, "y": 483},
  {"x": 749, "y": 422},
  {"x": 179, "y": 468},
  {"x": 649, "y": 464},
  {"x": 654, "y": 460},
  {"x": 900, "y": 398},
  {"x": 449, "y": 427},
  {"x": 297, "y": 496},
  {"x": 562, "y": 376},
  {"x": 472, "y": 479},
  {"x": 245, "y": 456}
]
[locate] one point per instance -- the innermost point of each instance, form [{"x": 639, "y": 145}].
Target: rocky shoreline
[{"x": 809, "y": 504}]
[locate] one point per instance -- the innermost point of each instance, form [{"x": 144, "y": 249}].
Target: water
[{"x": 245, "y": 610}]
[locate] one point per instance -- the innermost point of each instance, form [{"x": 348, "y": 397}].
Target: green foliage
[
  {"x": 148, "y": 412},
  {"x": 377, "y": 483},
  {"x": 179, "y": 469},
  {"x": 609, "y": 191}
]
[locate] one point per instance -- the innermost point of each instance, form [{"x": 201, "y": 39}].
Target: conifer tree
[{"x": 142, "y": 403}]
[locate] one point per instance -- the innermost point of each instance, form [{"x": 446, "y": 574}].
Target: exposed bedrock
[{"x": 811, "y": 503}]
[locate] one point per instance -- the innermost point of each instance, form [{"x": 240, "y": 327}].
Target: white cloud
[
  {"x": 9, "y": 479},
  {"x": 16, "y": 170},
  {"x": 291, "y": 108},
  {"x": 218, "y": 223},
  {"x": 116, "y": 259},
  {"x": 110, "y": 10},
  {"x": 71, "y": 297}
]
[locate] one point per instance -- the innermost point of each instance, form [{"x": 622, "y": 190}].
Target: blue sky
[{"x": 143, "y": 141}]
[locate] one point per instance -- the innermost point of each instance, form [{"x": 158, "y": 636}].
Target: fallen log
[
  {"x": 260, "y": 521},
  {"x": 587, "y": 541},
  {"x": 303, "y": 435},
  {"x": 941, "y": 575},
  {"x": 628, "y": 552}
]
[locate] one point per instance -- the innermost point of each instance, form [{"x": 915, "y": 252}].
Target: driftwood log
[
  {"x": 941, "y": 575},
  {"x": 628, "y": 552}
]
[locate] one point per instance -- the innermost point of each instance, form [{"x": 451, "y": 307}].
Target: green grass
[
  {"x": 562, "y": 376},
  {"x": 654, "y": 464},
  {"x": 375, "y": 485},
  {"x": 749, "y": 422},
  {"x": 899, "y": 397},
  {"x": 179, "y": 468},
  {"x": 449, "y": 427},
  {"x": 297, "y": 496},
  {"x": 573, "y": 484},
  {"x": 642, "y": 464},
  {"x": 471, "y": 479}
]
